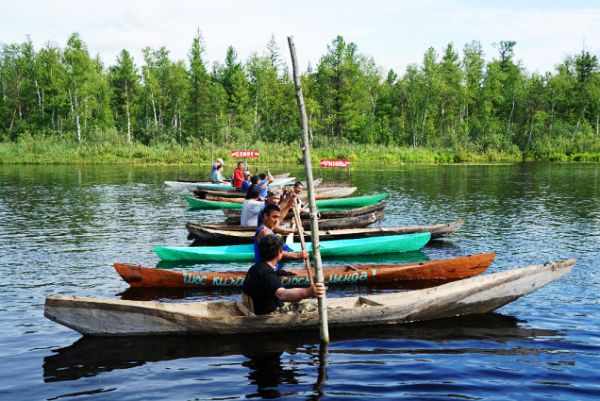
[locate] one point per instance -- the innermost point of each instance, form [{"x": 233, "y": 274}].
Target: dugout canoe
[
  {"x": 341, "y": 203},
  {"x": 239, "y": 197},
  {"x": 194, "y": 183},
  {"x": 432, "y": 270},
  {"x": 233, "y": 216},
  {"x": 475, "y": 295},
  {"x": 345, "y": 247},
  {"x": 206, "y": 234},
  {"x": 362, "y": 220},
  {"x": 224, "y": 186}
]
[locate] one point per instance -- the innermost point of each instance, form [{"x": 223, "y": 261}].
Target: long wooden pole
[
  {"x": 314, "y": 225},
  {"x": 300, "y": 229}
]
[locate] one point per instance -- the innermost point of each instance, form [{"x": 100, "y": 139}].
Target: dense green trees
[{"x": 450, "y": 100}]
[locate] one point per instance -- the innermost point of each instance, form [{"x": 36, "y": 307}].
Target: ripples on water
[{"x": 61, "y": 228}]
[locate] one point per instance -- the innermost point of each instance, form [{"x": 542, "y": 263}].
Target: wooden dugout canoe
[
  {"x": 475, "y": 295},
  {"x": 435, "y": 270},
  {"x": 340, "y": 203},
  {"x": 225, "y": 186},
  {"x": 209, "y": 235},
  {"x": 239, "y": 197},
  {"x": 344, "y": 247},
  {"x": 324, "y": 224},
  {"x": 233, "y": 216}
]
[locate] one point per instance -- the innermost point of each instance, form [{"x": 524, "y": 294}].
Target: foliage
[{"x": 451, "y": 107}]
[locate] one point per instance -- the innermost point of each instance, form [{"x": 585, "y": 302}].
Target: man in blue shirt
[{"x": 272, "y": 215}]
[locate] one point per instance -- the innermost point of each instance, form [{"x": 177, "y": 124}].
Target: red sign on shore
[
  {"x": 334, "y": 163},
  {"x": 245, "y": 154}
]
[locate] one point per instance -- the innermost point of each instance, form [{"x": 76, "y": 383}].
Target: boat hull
[
  {"x": 476, "y": 295},
  {"x": 339, "y": 203},
  {"x": 244, "y": 253},
  {"x": 433, "y": 270},
  {"x": 206, "y": 235},
  {"x": 233, "y": 216}
]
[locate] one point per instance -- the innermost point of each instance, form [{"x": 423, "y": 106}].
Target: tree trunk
[
  {"x": 75, "y": 112},
  {"x": 552, "y": 112},
  {"x": 587, "y": 103},
  {"x": 512, "y": 110},
  {"x": 37, "y": 90}
]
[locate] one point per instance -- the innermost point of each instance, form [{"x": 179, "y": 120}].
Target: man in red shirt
[{"x": 238, "y": 175}]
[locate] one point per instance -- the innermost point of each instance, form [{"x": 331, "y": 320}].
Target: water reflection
[{"x": 90, "y": 356}]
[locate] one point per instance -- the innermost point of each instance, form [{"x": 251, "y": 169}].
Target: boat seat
[{"x": 364, "y": 301}]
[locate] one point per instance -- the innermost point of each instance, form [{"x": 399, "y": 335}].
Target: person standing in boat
[
  {"x": 272, "y": 216},
  {"x": 251, "y": 208},
  {"x": 262, "y": 285}
]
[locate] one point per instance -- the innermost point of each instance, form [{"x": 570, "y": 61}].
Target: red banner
[
  {"x": 334, "y": 163},
  {"x": 245, "y": 154}
]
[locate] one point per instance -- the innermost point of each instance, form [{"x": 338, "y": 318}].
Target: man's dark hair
[
  {"x": 262, "y": 176},
  {"x": 253, "y": 193},
  {"x": 269, "y": 246},
  {"x": 298, "y": 184},
  {"x": 254, "y": 179},
  {"x": 240, "y": 164},
  {"x": 270, "y": 209}
]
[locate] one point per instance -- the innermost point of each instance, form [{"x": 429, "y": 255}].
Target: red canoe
[{"x": 434, "y": 270}]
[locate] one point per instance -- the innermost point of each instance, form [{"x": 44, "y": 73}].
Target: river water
[{"x": 62, "y": 228}]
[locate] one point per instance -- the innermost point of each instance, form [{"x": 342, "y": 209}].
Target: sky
[{"x": 395, "y": 33}]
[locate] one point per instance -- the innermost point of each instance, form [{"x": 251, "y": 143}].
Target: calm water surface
[{"x": 61, "y": 228}]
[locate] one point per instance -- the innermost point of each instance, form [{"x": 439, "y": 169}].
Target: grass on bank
[{"x": 40, "y": 149}]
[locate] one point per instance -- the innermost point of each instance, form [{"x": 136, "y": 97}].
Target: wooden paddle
[{"x": 296, "y": 210}]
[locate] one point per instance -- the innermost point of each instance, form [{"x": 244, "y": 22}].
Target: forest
[{"x": 452, "y": 101}]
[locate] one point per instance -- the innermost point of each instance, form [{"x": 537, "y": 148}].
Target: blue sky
[{"x": 394, "y": 33}]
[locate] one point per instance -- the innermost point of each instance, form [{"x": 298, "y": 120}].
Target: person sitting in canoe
[
  {"x": 246, "y": 184},
  {"x": 297, "y": 190},
  {"x": 258, "y": 184},
  {"x": 272, "y": 216},
  {"x": 273, "y": 198},
  {"x": 264, "y": 181},
  {"x": 251, "y": 208},
  {"x": 239, "y": 176},
  {"x": 216, "y": 171},
  {"x": 262, "y": 285}
]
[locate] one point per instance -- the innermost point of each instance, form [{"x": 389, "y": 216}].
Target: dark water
[{"x": 61, "y": 228}]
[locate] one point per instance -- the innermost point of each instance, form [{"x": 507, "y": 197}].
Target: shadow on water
[{"x": 90, "y": 356}]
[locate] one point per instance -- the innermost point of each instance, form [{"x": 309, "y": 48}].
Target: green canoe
[
  {"x": 347, "y": 247},
  {"x": 326, "y": 204}
]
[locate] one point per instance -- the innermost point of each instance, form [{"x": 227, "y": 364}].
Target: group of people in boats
[{"x": 266, "y": 208}]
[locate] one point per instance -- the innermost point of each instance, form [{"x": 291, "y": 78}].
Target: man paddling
[
  {"x": 263, "y": 286},
  {"x": 272, "y": 217}
]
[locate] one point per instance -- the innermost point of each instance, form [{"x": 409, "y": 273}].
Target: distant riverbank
[{"x": 44, "y": 150}]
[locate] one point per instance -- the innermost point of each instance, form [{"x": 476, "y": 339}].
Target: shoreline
[{"x": 42, "y": 151}]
